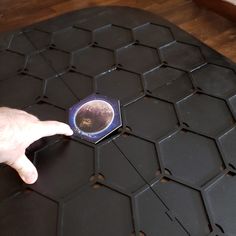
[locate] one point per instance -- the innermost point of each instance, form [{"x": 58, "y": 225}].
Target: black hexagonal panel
[
  {"x": 182, "y": 55},
  {"x": 199, "y": 110},
  {"x": 151, "y": 118},
  {"x": 39, "y": 39},
  {"x": 128, "y": 180},
  {"x": 63, "y": 98},
  {"x": 37, "y": 66},
  {"x": 71, "y": 39},
  {"x": 153, "y": 217},
  {"x": 9, "y": 181},
  {"x": 169, "y": 170},
  {"x": 113, "y": 37},
  {"x": 60, "y": 177},
  {"x": 5, "y": 40},
  {"x": 86, "y": 219},
  {"x": 226, "y": 142},
  {"x": 153, "y": 35},
  {"x": 232, "y": 104},
  {"x": 25, "y": 89},
  {"x": 46, "y": 111},
  {"x": 62, "y": 59},
  {"x": 14, "y": 61},
  {"x": 21, "y": 44},
  {"x": 115, "y": 84},
  {"x": 142, "y": 155},
  {"x": 187, "y": 161},
  {"x": 220, "y": 197},
  {"x": 215, "y": 80},
  {"x": 168, "y": 83},
  {"x": 18, "y": 211},
  {"x": 80, "y": 84},
  {"x": 181, "y": 199},
  {"x": 138, "y": 58},
  {"x": 104, "y": 60}
]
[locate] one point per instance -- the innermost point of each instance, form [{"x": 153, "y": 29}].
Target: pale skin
[{"x": 19, "y": 129}]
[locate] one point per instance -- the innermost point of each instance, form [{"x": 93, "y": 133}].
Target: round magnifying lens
[{"x": 94, "y": 116}]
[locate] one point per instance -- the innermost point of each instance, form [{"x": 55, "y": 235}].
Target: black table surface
[{"x": 169, "y": 170}]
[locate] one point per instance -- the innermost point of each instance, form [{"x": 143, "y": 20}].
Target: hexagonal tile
[
  {"x": 59, "y": 94},
  {"x": 151, "y": 117},
  {"x": 186, "y": 203},
  {"x": 205, "y": 114},
  {"x": 95, "y": 117},
  {"x": 227, "y": 143},
  {"x": 45, "y": 111},
  {"x": 61, "y": 170},
  {"x": 220, "y": 197},
  {"x": 129, "y": 180},
  {"x": 81, "y": 85},
  {"x": 37, "y": 66},
  {"x": 5, "y": 39},
  {"x": 138, "y": 58},
  {"x": 141, "y": 154},
  {"x": 120, "y": 84},
  {"x": 232, "y": 104},
  {"x": 59, "y": 61},
  {"x": 183, "y": 56},
  {"x": 40, "y": 144},
  {"x": 21, "y": 44},
  {"x": 91, "y": 210},
  {"x": 215, "y": 80},
  {"x": 113, "y": 37},
  {"x": 39, "y": 39},
  {"x": 26, "y": 212},
  {"x": 93, "y": 60},
  {"x": 168, "y": 83},
  {"x": 20, "y": 91},
  {"x": 153, "y": 217},
  {"x": 10, "y": 182},
  {"x": 14, "y": 62},
  {"x": 153, "y": 35},
  {"x": 71, "y": 39},
  {"x": 192, "y": 163}
]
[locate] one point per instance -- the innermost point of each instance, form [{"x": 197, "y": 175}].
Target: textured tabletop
[{"x": 168, "y": 171}]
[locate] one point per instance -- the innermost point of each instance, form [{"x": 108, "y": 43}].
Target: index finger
[{"x": 49, "y": 128}]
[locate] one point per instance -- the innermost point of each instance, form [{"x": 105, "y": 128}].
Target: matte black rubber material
[{"x": 169, "y": 171}]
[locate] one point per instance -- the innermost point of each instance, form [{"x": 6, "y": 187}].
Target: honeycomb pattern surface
[{"x": 168, "y": 171}]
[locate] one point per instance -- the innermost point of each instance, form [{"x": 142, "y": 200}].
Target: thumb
[{"x": 25, "y": 169}]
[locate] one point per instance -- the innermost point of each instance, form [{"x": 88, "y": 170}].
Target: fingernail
[
  {"x": 30, "y": 179},
  {"x": 70, "y": 132}
]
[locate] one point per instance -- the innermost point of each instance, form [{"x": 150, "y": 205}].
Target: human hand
[{"x": 18, "y": 129}]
